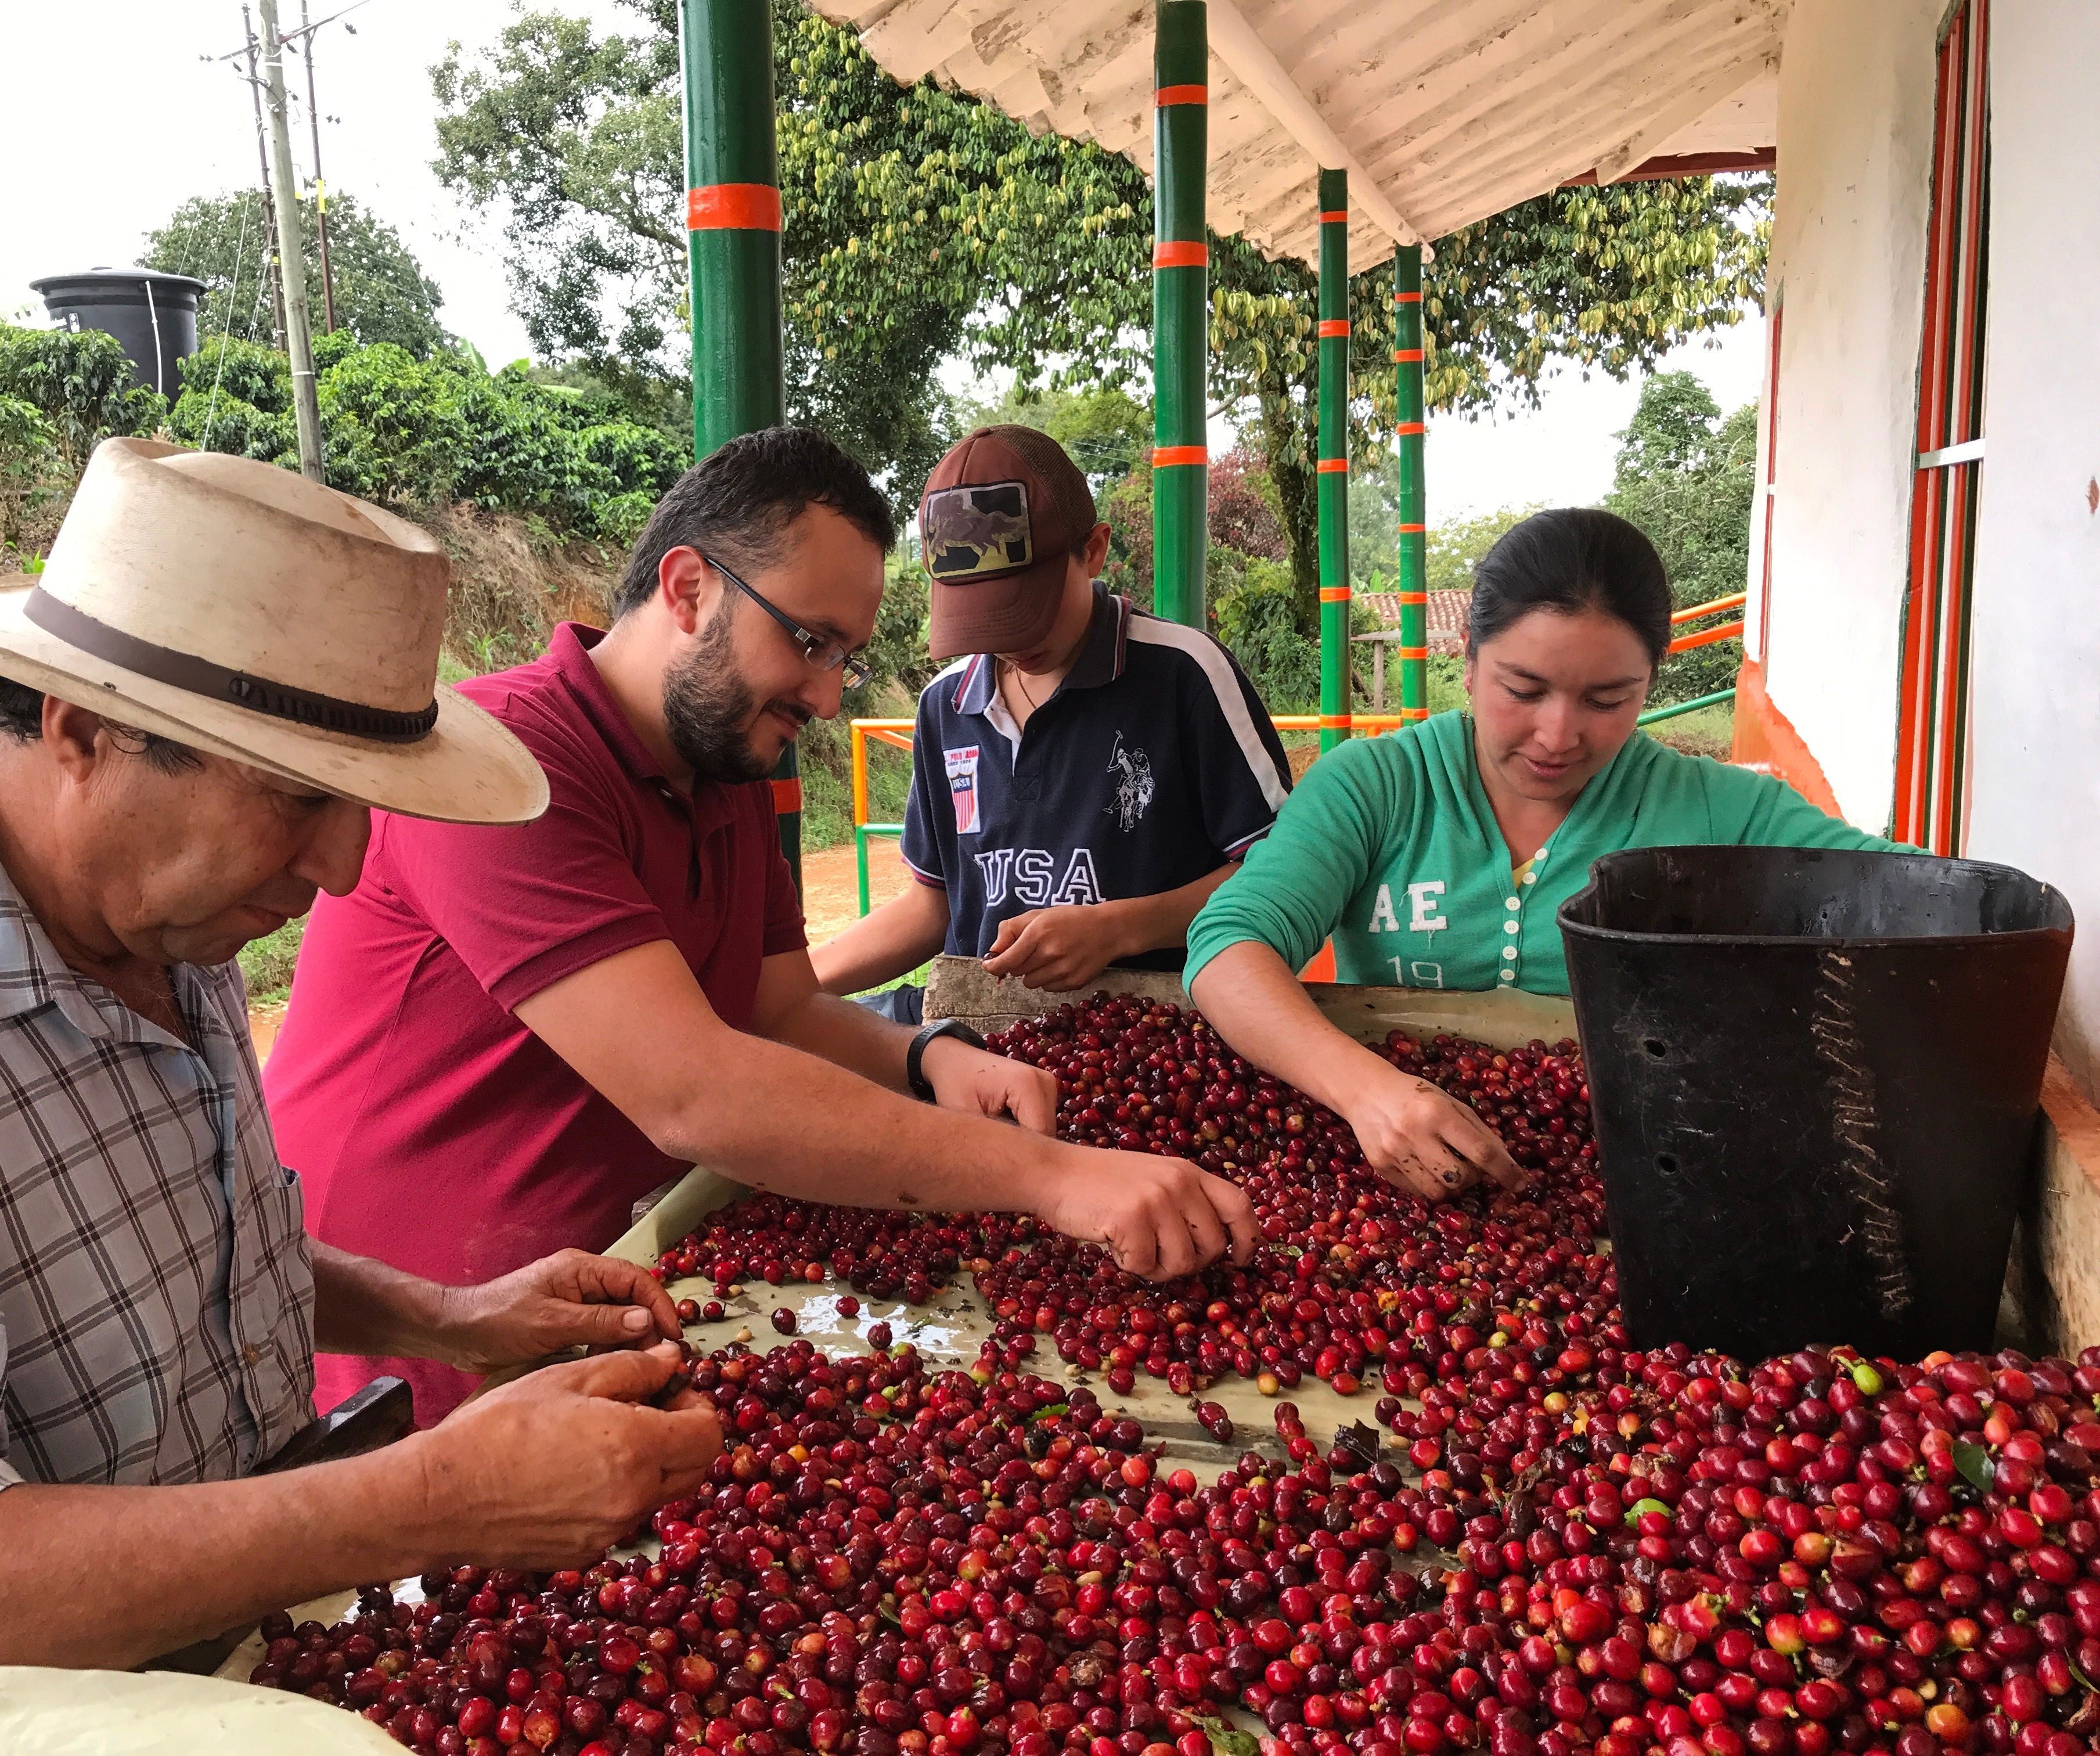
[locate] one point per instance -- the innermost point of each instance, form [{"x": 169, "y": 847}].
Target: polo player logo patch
[
  {"x": 1133, "y": 786},
  {"x": 963, "y": 788}
]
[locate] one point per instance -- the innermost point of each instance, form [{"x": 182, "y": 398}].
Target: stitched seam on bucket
[{"x": 1835, "y": 1025}]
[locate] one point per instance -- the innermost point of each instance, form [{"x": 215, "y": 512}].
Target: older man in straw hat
[{"x": 223, "y": 667}]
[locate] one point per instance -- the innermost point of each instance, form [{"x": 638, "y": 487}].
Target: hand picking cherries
[{"x": 1576, "y": 1547}]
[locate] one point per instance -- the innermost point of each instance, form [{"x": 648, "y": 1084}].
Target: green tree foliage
[
  {"x": 381, "y": 293},
  {"x": 1106, "y": 433},
  {"x": 27, "y": 478},
  {"x": 1257, "y": 619},
  {"x": 1244, "y": 528},
  {"x": 412, "y": 432},
  {"x": 1455, "y": 545},
  {"x": 919, "y": 221},
  {"x": 1687, "y": 477},
  {"x": 81, "y": 384},
  {"x": 576, "y": 139}
]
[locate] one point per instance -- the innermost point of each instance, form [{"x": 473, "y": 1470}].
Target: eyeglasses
[{"x": 825, "y": 653}]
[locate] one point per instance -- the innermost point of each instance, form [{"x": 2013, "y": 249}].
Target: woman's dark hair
[
  {"x": 1570, "y": 559},
  {"x": 736, "y": 502}
]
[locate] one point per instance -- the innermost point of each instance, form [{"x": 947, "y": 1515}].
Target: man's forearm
[
  {"x": 798, "y": 1125},
  {"x": 111, "y": 1577},
  {"x": 847, "y": 1035},
  {"x": 774, "y": 1115},
  {"x": 362, "y": 1306}
]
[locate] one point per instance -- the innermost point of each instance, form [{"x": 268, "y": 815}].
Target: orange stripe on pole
[
  {"x": 1165, "y": 456},
  {"x": 1411, "y": 427},
  {"x": 1335, "y": 216},
  {"x": 1334, "y": 326},
  {"x": 1166, "y": 94},
  {"x": 1407, "y": 298},
  {"x": 1407, "y": 355},
  {"x": 1412, "y": 652},
  {"x": 1181, "y": 253},
  {"x": 787, "y": 797},
  {"x": 1333, "y": 466},
  {"x": 1414, "y": 597},
  {"x": 1406, "y": 530},
  {"x": 1334, "y": 594},
  {"x": 733, "y": 207}
]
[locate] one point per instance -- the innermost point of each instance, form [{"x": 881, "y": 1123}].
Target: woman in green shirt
[{"x": 1437, "y": 857}]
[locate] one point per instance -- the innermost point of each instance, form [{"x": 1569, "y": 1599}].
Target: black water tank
[{"x": 153, "y": 316}]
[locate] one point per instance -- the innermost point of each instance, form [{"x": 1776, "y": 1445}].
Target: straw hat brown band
[
  {"x": 200, "y": 676},
  {"x": 244, "y": 611}
]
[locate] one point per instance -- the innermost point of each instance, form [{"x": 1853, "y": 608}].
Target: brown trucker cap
[{"x": 1000, "y": 513}]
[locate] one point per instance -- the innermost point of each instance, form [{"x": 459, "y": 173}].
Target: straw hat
[{"x": 244, "y": 610}]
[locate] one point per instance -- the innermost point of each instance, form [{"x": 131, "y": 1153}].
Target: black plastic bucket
[{"x": 1815, "y": 1077}]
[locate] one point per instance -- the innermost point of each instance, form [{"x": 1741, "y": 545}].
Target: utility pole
[
  {"x": 273, "y": 265},
  {"x": 320, "y": 185},
  {"x": 298, "y": 328}
]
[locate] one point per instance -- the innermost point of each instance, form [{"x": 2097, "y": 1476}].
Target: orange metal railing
[
  {"x": 898, "y": 733},
  {"x": 1707, "y": 637}
]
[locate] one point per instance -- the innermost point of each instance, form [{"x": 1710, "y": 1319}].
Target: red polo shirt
[{"x": 434, "y": 1131}]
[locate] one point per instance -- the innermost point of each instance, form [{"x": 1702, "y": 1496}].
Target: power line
[
  {"x": 225, "y": 331},
  {"x": 269, "y": 201},
  {"x": 320, "y": 185},
  {"x": 304, "y": 35}
]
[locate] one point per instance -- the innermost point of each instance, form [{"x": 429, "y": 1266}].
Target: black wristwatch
[{"x": 921, "y": 1087}]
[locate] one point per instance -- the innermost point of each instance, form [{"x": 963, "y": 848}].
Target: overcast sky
[{"x": 114, "y": 119}]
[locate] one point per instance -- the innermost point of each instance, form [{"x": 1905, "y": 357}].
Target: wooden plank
[
  {"x": 1686, "y": 108},
  {"x": 1240, "y": 46}
]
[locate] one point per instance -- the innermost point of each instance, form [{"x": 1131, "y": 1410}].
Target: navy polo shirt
[{"x": 1152, "y": 765}]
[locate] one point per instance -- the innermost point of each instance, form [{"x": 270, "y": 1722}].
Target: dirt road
[{"x": 831, "y": 902}]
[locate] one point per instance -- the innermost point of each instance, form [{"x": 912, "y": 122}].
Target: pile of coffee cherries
[
  {"x": 1571, "y": 1546},
  {"x": 1354, "y": 1276}
]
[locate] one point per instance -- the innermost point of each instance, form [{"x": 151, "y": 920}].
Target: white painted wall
[
  {"x": 1855, "y": 110},
  {"x": 2034, "y": 777}
]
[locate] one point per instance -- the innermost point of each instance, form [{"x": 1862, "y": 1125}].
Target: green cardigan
[{"x": 1389, "y": 845}]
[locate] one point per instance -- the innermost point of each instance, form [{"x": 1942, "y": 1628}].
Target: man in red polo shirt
[{"x": 504, "y": 1037}]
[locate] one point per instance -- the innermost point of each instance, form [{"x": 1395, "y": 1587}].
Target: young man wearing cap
[
  {"x": 193, "y": 723},
  {"x": 503, "y": 1040},
  {"x": 1084, "y": 775}
]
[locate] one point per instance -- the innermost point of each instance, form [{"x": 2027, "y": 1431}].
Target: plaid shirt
[{"x": 155, "y": 1285}]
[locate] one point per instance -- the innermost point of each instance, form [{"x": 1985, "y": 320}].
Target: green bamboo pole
[
  {"x": 1181, "y": 312},
  {"x": 1333, "y": 472},
  {"x": 733, "y": 261},
  {"x": 1413, "y": 539}
]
